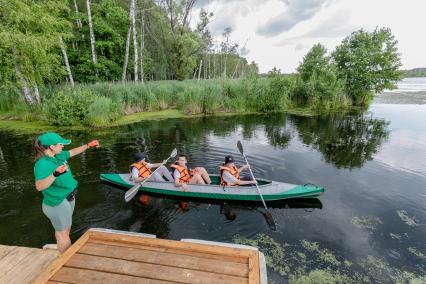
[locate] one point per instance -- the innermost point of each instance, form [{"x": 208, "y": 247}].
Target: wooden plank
[
  {"x": 55, "y": 282},
  {"x": 5, "y": 250},
  {"x": 212, "y": 249},
  {"x": 254, "y": 274},
  {"x": 153, "y": 271},
  {"x": 36, "y": 261},
  {"x": 12, "y": 259},
  {"x": 176, "y": 251},
  {"x": 82, "y": 276},
  {"x": 167, "y": 259},
  {"x": 45, "y": 275}
]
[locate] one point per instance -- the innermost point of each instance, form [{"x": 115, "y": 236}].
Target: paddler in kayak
[
  {"x": 230, "y": 174},
  {"x": 141, "y": 169},
  {"x": 183, "y": 174}
]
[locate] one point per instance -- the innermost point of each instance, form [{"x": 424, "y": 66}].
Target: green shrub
[{"x": 69, "y": 109}]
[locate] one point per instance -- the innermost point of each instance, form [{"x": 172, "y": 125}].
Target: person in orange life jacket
[
  {"x": 140, "y": 170},
  {"x": 183, "y": 175},
  {"x": 230, "y": 174}
]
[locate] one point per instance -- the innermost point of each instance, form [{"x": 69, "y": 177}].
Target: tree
[
  {"x": 315, "y": 61},
  {"x": 368, "y": 62},
  {"x": 318, "y": 85},
  {"x": 29, "y": 47},
  {"x": 92, "y": 34}
]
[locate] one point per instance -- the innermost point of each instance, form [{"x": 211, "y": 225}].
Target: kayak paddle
[
  {"x": 268, "y": 216},
  {"x": 132, "y": 192}
]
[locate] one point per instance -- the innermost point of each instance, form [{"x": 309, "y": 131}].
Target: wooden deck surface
[
  {"x": 100, "y": 257},
  {"x": 21, "y": 264}
]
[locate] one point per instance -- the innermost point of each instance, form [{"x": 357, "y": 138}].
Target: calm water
[{"x": 369, "y": 226}]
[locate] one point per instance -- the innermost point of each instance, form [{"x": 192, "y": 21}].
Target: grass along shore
[{"x": 111, "y": 104}]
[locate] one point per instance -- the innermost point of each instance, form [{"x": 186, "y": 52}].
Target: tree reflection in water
[{"x": 346, "y": 141}]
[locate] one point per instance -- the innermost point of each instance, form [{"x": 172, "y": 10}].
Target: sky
[{"x": 278, "y": 33}]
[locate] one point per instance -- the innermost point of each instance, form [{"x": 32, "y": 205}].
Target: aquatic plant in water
[
  {"x": 369, "y": 223},
  {"x": 416, "y": 252},
  {"x": 307, "y": 262},
  {"x": 410, "y": 221}
]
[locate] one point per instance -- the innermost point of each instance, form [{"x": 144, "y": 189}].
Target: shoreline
[{"x": 31, "y": 127}]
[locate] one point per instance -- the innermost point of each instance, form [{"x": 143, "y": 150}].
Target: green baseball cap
[{"x": 51, "y": 138}]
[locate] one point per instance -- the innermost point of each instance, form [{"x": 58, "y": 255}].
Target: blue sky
[{"x": 280, "y": 32}]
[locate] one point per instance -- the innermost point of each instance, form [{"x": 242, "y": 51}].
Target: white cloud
[{"x": 280, "y": 32}]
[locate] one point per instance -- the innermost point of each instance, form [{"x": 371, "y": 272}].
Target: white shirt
[{"x": 135, "y": 171}]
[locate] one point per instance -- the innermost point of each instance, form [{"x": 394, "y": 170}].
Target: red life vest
[
  {"x": 185, "y": 175},
  {"x": 233, "y": 170},
  {"x": 144, "y": 170}
]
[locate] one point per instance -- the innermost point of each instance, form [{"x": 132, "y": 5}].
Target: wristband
[{"x": 56, "y": 173}]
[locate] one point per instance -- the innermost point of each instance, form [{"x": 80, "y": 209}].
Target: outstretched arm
[
  {"x": 81, "y": 149},
  {"x": 242, "y": 168}
]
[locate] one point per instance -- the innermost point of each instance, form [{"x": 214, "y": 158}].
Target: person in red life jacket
[
  {"x": 183, "y": 174},
  {"x": 230, "y": 174},
  {"x": 140, "y": 170}
]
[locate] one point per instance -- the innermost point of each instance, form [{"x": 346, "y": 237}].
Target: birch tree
[
  {"x": 142, "y": 43},
  {"x": 78, "y": 21},
  {"x": 135, "y": 42},
  {"x": 28, "y": 46},
  {"x": 126, "y": 55},
  {"x": 67, "y": 65},
  {"x": 91, "y": 33}
]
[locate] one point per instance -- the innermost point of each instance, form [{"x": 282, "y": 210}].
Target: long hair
[{"x": 39, "y": 149}]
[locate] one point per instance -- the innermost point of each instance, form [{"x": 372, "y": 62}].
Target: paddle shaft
[
  {"x": 252, "y": 175},
  {"x": 132, "y": 192}
]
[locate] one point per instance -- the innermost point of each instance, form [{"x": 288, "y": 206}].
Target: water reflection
[{"x": 345, "y": 141}]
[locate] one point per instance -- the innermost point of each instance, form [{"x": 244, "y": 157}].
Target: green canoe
[{"x": 271, "y": 190}]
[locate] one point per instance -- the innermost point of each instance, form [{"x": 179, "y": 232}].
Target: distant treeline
[{"x": 416, "y": 72}]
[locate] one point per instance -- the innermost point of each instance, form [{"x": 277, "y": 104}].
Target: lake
[{"x": 369, "y": 225}]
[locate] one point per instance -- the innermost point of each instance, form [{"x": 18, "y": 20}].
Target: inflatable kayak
[{"x": 271, "y": 190}]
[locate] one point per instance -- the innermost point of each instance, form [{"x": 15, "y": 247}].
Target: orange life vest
[
  {"x": 233, "y": 170},
  {"x": 185, "y": 175},
  {"x": 144, "y": 170}
]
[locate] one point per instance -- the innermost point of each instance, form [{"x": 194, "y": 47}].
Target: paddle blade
[
  {"x": 174, "y": 153},
  {"x": 131, "y": 192},
  {"x": 240, "y": 147},
  {"x": 270, "y": 220}
]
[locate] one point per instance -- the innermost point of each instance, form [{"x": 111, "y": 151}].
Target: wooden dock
[
  {"x": 105, "y": 256},
  {"x": 22, "y": 264}
]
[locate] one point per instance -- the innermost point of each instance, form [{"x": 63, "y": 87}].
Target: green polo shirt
[{"x": 63, "y": 184}]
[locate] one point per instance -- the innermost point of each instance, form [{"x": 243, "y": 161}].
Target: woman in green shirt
[{"x": 54, "y": 179}]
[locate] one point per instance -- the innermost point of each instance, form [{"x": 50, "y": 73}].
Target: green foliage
[
  {"x": 110, "y": 25},
  {"x": 368, "y": 62},
  {"x": 29, "y": 41},
  {"x": 68, "y": 109},
  {"x": 318, "y": 85}
]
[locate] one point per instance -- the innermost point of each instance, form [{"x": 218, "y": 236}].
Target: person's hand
[
  {"x": 60, "y": 170},
  {"x": 244, "y": 167},
  {"x": 93, "y": 143},
  {"x": 184, "y": 187}
]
